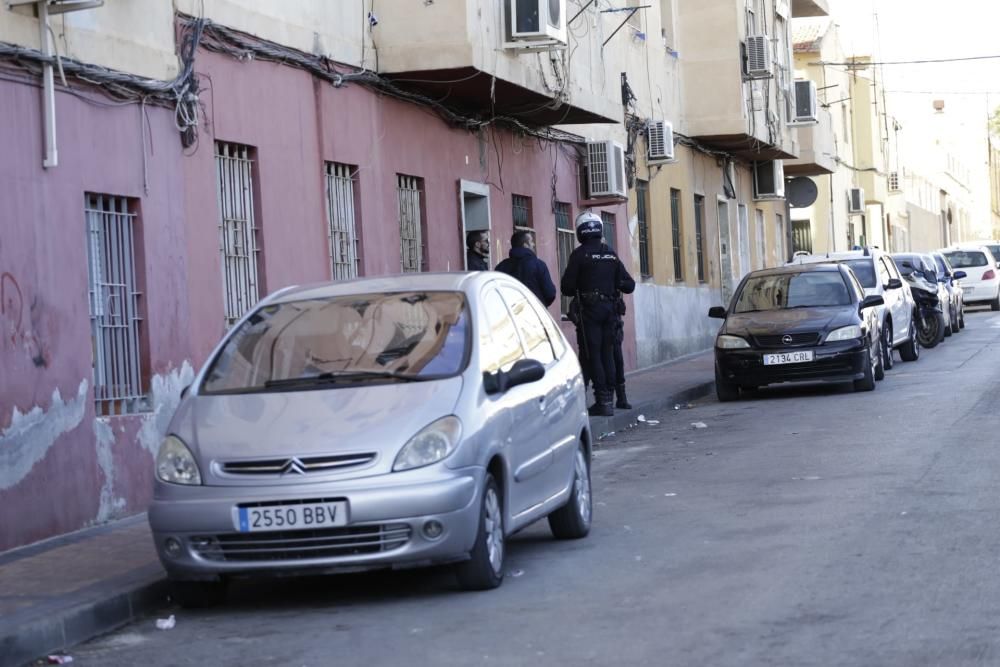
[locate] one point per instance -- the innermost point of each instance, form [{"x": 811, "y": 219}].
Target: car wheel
[
  {"x": 887, "y": 360},
  {"x": 955, "y": 328},
  {"x": 961, "y": 317},
  {"x": 572, "y": 520},
  {"x": 910, "y": 350},
  {"x": 867, "y": 383},
  {"x": 879, "y": 362},
  {"x": 932, "y": 332},
  {"x": 484, "y": 569},
  {"x": 724, "y": 389},
  {"x": 198, "y": 594},
  {"x": 995, "y": 304}
]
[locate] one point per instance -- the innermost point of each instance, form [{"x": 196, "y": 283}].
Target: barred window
[
  {"x": 699, "y": 233},
  {"x": 521, "y": 212},
  {"x": 610, "y": 233},
  {"x": 411, "y": 231},
  {"x": 566, "y": 240},
  {"x": 675, "y": 234},
  {"x": 237, "y": 228},
  {"x": 115, "y": 315},
  {"x": 340, "y": 193},
  {"x": 642, "y": 214}
]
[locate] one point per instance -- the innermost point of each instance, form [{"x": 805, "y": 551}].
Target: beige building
[{"x": 994, "y": 165}]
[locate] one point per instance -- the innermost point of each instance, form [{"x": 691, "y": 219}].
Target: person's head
[
  {"x": 589, "y": 226},
  {"x": 478, "y": 242},
  {"x": 523, "y": 239}
]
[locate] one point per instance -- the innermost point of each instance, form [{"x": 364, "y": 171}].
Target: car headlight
[
  {"x": 175, "y": 463},
  {"x": 726, "y": 342},
  {"x": 435, "y": 442},
  {"x": 844, "y": 333}
]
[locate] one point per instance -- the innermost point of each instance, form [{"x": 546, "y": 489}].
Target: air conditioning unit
[
  {"x": 660, "y": 140},
  {"x": 894, "y": 184},
  {"x": 759, "y": 62},
  {"x": 856, "y": 200},
  {"x": 805, "y": 110},
  {"x": 535, "y": 22},
  {"x": 605, "y": 170},
  {"x": 769, "y": 180}
]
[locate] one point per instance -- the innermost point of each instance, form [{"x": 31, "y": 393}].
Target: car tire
[
  {"x": 910, "y": 350},
  {"x": 572, "y": 520},
  {"x": 955, "y": 325},
  {"x": 198, "y": 594},
  {"x": 887, "y": 360},
  {"x": 867, "y": 383},
  {"x": 725, "y": 390},
  {"x": 961, "y": 317},
  {"x": 879, "y": 362},
  {"x": 995, "y": 304},
  {"x": 484, "y": 569}
]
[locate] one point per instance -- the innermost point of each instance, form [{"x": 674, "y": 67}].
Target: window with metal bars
[
  {"x": 115, "y": 314},
  {"x": 699, "y": 233},
  {"x": 234, "y": 164},
  {"x": 642, "y": 214},
  {"x": 521, "y": 212},
  {"x": 675, "y": 234},
  {"x": 802, "y": 236},
  {"x": 610, "y": 233},
  {"x": 340, "y": 193},
  {"x": 566, "y": 241},
  {"x": 411, "y": 228}
]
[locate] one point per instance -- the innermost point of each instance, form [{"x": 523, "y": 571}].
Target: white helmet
[{"x": 589, "y": 226}]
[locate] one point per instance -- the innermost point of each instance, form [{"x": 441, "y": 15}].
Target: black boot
[
  {"x": 603, "y": 405},
  {"x": 622, "y": 403}
]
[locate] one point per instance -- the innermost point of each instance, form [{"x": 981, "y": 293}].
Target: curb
[
  {"x": 59, "y": 629},
  {"x": 604, "y": 427}
]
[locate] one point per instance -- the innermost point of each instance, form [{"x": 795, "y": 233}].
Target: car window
[
  {"x": 859, "y": 291},
  {"x": 891, "y": 267},
  {"x": 942, "y": 268},
  {"x": 552, "y": 329},
  {"x": 358, "y": 337},
  {"x": 864, "y": 269},
  {"x": 883, "y": 273},
  {"x": 964, "y": 259},
  {"x": 499, "y": 344},
  {"x": 995, "y": 251},
  {"x": 533, "y": 333},
  {"x": 792, "y": 290},
  {"x": 914, "y": 261}
]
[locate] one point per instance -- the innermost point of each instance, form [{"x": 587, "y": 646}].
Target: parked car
[
  {"x": 950, "y": 278},
  {"x": 981, "y": 286},
  {"x": 922, "y": 265},
  {"x": 802, "y": 323},
  {"x": 994, "y": 248},
  {"x": 383, "y": 422},
  {"x": 880, "y": 276}
]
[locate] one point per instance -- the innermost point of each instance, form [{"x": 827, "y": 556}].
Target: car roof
[
  {"x": 456, "y": 281},
  {"x": 797, "y": 268},
  {"x": 836, "y": 256}
]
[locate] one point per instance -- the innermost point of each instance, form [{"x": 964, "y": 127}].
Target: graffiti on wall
[{"x": 17, "y": 322}]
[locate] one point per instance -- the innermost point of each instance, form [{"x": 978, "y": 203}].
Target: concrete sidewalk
[{"x": 67, "y": 590}]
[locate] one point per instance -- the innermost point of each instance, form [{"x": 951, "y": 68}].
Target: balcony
[
  {"x": 817, "y": 151},
  {"x": 454, "y": 51},
  {"x": 804, "y": 8}
]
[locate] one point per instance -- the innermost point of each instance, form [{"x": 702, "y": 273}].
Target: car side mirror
[
  {"x": 522, "y": 372},
  {"x": 718, "y": 312},
  {"x": 958, "y": 275},
  {"x": 872, "y": 301},
  {"x": 894, "y": 283}
]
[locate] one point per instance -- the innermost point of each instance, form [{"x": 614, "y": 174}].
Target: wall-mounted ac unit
[
  {"x": 535, "y": 22},
  {"x": 805, "y": 112},
  {"x": 856, "y": 200},
  {"x": 759, "y": 62},
  {"x": 894, "y": 184},
  {"x": 769, "y": 180},
  {"x": 605, "y": 170},
  {"x": 660, "y": 140}
]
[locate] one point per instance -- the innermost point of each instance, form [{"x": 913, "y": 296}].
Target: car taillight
[{"x": 989, "y": 275}]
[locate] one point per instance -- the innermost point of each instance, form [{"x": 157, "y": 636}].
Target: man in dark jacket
[
  {"x": 524, "y": 265},
  {"x": 594, "y": 276},
  {"x": 477, "y": 253}
]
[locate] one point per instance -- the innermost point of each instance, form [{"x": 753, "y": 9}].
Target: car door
[{"x": 526, "y": 449}]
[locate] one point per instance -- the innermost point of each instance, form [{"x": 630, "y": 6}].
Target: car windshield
[
  {"x": 793, "y": 290},
  {"x": 907, "y": 263},
  {"x": 864, "y": 269},
  {"x": 964, "y": 259},
  {"x": 386, "y": 337}
]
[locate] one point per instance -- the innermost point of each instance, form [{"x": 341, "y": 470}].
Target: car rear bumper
[
  {"x": 833, "y": 362},
  {"x": 385, "y": 528},
  {"x": 980, "y": 293}
]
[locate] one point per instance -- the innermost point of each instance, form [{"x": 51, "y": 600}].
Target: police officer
[
  {"x": 594, "y": 275},
  {"x": 477, "y": 254}
]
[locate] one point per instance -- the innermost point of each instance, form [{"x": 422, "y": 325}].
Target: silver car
[{"x": 383, "y": 422}]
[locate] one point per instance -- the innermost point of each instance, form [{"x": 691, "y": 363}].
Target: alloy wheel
[
  {"x": 494, "y": 529},
  {"x": 581, "y": 487}
]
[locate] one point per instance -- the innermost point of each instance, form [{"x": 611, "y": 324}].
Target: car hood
[
  {"x": 800, "y": 320},
  {"x": 368, "y": 419}
]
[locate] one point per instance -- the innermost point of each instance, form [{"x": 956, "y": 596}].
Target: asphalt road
[{"x": 812, "y": 526}]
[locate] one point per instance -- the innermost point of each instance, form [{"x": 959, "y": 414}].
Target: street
[{"x": 804, "y": 526}]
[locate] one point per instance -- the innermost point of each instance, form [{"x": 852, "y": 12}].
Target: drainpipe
[{"x": 48, "y": 88}]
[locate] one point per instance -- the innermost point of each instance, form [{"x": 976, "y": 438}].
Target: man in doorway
[
  {"x": 524, "y": 265},
  {"x": 477, "y": 251}
]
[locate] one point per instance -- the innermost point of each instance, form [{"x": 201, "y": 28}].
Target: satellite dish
[{"x": 801, "y": 192}]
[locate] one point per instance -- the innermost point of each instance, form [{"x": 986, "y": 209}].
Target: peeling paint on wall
[
  {"x": 30, "y": 435},
  {"x": 109, "y": 506},
  {"x": 164, "y": 397}
]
